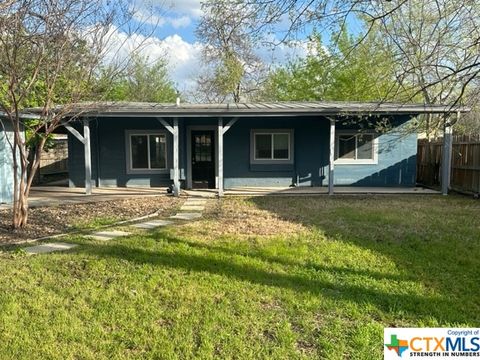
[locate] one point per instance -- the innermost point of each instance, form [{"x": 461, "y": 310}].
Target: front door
[{"x": 203, "y": 159}]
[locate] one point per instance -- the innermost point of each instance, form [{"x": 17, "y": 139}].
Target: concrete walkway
[
  {"x": 152, "y": 224},
  {"x": 191, "y": 210},
  {"x": 108, "y": 235},
  {"x": 49, "y": 247},
  {"x": 309, "y": 190},
  {"x": 58, "y": 195}
]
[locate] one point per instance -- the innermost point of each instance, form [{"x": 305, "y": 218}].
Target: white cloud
[
  {"x": 280, "y": 52},
  {"x": 178, "y": 14},
  {"x": 180, "y": 22},
  {"x": 184, "y": 58},
  {"x": 188, "y": 7}
]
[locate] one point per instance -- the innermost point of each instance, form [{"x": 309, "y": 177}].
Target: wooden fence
[{"x": 465, "y": 170}]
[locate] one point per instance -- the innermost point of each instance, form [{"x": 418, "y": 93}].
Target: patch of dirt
[
  {"x": 239, "y": 216},
  {"x": 45, "y": 221}
]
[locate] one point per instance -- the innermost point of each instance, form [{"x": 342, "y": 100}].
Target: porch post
[
  {"x": 447, "y": 155},
  {"x": 220, "y": 157},
  {"x": 88, "y": 158},
  {"x": 176, "y": 175},
  {"x": 332, "y": 157}
]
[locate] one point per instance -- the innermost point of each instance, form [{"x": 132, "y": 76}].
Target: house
[{"x": 223, "y": 146}]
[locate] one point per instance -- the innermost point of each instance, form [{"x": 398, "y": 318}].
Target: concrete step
[
  {"x": 48, "y": 248},
  {"x": 152, "y": 224},
  {"x": 108, "y": 235}
]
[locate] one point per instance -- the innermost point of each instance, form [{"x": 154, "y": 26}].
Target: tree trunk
[
  {"x": 20, "y": 214},
  {"x": 20, "y": 206},
  {"x": 23, "y": 179}
]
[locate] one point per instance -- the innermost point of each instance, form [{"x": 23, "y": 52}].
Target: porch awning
[{"x": 307, "y": 108}]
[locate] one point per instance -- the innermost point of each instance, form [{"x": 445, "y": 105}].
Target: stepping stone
[
  {"x": 193, "y": 204},
  {"x": 186, "y": 216},
  {"x": 48, "y": 248},
  {"x": 188, "y": 207},
  {"x": 152, "y": 224},
  {"x": 108, "y": 235},
  {"x": 196, "y": 201}
]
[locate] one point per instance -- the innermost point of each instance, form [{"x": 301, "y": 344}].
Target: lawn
[{"x": 257, "y": 278}]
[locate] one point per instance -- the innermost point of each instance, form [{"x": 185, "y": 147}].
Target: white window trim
[
  {"x": 128, "y": 151},
  {"x": 373, "y": 161},
  {"x": 271, "y": 132}
]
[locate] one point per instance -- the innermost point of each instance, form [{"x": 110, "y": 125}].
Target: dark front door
[{"x": 203, "y": 159}]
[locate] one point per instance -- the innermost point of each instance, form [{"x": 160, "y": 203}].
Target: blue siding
[
  {"x": 396, "y": 164},
  {"x": 396, "y": 159},
  {"x": 310, "y": 154},
  {"x": 109, "y": 154}
]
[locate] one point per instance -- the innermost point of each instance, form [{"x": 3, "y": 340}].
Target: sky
[{"x": 174, "y": 39}]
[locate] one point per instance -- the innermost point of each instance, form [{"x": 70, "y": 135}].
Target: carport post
[
  {"x": 447, "y": 155},
  {"x": 174, "y": 131},
  {"x": 220, "y": 157},
  {"x": 88, "y": 158},
  {"x": 331, "y": 164},
  {"x": 222, "y": 129}
]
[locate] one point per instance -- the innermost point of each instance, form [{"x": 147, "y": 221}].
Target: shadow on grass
[
  {"x": 241, "y": 267},
  {"x": 446, "y": 262},
  {"x": 309, "y": 266}
]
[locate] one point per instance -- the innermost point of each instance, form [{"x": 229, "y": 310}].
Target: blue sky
[{"x": 174, "y": 39}]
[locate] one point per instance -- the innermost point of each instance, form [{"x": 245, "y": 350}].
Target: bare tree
[
  {"x": 437, "y": 43},
  {"x": 50, "y": 52},
  {"x": 234, "y": 70}
]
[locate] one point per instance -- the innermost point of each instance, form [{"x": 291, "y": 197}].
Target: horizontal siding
[
  {"x": 396, "y": 158},
  {"x": 108, "y": 151},
  {"x": 396, "y": 164},
  {"x": 310, "y": 153}
]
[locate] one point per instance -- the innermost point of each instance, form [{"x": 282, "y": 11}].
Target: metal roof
[{"x": 305, "y": 108}]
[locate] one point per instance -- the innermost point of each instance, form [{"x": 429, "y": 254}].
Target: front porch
[
  {"x": 312, "y": 191},
  {"x": 312, "y": 146},
  {"x": 42, "y": 196}
]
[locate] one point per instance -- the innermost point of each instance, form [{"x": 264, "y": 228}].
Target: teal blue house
[{"x": 226, "y": 146}]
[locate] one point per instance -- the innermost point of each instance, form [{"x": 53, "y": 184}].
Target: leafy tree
[
  {"x": 49, "y": 54},
  {"x": 347, "y": 70},
  {"x": 234, "y": 70},
  {"x": 142, "y": 80}
]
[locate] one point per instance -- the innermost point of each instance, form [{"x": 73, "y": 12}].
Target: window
[
  {"x": 272, "y": 146},
  {"x": 147, "y": 151},
  {"x": 356, "y": 148}
]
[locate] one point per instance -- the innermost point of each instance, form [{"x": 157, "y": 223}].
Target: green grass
[
  {"x": 97, "y": 223},
  {"x": 354, "y": 265}
]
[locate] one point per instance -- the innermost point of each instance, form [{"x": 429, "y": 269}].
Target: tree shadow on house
[{"x": 401, "y": 173}]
